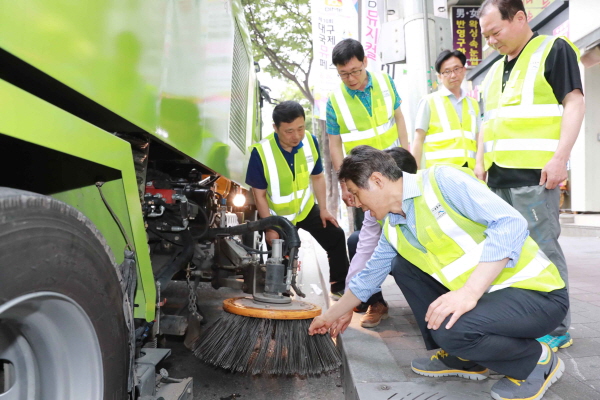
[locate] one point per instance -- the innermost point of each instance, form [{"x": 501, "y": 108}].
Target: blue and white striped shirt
[{"x": 506, "y": 228}]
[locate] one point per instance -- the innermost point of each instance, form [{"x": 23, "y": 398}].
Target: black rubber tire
[{"x": 47, "y": 245}]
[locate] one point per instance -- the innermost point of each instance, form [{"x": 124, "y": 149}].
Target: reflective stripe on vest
[
  {"x": 278, "y": 201},
  {"x": 379, "y": 129},
  {"x": 521, "y": 125},
  {"x": 521, "y": 145},
  {"x": 451, "y": 139},
  {"x": 443, "y": 231}
]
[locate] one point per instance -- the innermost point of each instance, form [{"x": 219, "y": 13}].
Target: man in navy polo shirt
[{"x": 286, "y": 175}]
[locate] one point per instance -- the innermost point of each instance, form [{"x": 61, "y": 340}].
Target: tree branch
[{"x": 290, "y": 31}]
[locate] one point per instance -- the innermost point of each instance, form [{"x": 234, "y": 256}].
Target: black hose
[
  {"x": 201, "y": 209},
  {"x": 253, "y": 250},
  {"x": 161, "y": 236},
  {"x": 277, "y": 223},
  {"x": 128, "y": 241}
]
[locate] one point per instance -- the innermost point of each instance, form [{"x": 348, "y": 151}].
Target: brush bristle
[{"x": 267, "y": 346}]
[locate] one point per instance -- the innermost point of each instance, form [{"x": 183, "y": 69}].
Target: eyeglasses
[
  {"x": 449, "y": 72},
  {"x": 346, "y": 75}
]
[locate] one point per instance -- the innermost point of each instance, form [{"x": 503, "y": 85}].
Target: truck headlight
[{"x": 239, "y": 200}]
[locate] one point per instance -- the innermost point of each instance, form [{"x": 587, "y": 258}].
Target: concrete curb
[
  {"x": 579, "y": 230},
  {"x": 366, "y": 359}
]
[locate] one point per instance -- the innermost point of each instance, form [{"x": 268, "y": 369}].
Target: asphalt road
[{"x": 211, "y": 383}]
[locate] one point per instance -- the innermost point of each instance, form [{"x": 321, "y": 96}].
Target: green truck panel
[
  {"x": 166, "y": 66},
  {"x": 54, "y": 129}
]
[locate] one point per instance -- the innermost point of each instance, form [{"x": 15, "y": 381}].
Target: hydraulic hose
[{"x": 279, "y": 224}]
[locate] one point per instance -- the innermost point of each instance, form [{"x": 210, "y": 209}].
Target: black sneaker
[
  {"x": 361, "y": 308},
  {"x": 337, "y": 295},
  {"x": 443, "y": 364}
]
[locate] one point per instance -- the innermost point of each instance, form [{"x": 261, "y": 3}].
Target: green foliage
[{"x": 281, "y": 31}]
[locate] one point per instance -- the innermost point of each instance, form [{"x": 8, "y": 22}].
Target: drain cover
[{"x": 470, "y": 390}]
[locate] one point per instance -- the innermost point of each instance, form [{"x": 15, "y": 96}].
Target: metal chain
[{"x": 192, "y": 295}]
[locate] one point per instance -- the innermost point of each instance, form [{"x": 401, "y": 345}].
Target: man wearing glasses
[
  {"x": 363, "y": 110},
  {"x": 447, "y": 121}
]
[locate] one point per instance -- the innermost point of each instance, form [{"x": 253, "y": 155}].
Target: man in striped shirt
[{"x": 480, "y": 288}]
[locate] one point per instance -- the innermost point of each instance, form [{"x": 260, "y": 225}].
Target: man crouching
[{"x": 480, "y": 288}]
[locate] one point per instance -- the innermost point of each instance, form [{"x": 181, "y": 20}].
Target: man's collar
[
  {"x": 410, "y": 190},
  {"x": 354, "y": 92},
  {"x": 444, "y": 91},
  {"x": 294, "y": 149}
]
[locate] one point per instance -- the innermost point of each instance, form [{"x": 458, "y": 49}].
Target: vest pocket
[{"x": 512, "y": 93}]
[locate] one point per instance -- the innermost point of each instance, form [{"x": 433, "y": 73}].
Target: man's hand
[
  {"x": 340, "y": 325},
  {"x": 456, "y": 303},
  {"x": 553, "y": 173},
  {"x": 480, "y": 172},
  {"x": 270, "y": 235},
  {"x": 319, "y": 325},
  {"x": 347, "y": 197},
  {"x": 326, "y": 216}
]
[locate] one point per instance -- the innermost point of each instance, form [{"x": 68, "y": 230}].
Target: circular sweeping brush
[
  {"x": 266, "y": 338},
  {"x": 268, "y": 332}
]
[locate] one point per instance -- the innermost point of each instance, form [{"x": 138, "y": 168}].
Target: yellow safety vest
[
  {"x": 454, "y": 244},
  {"x": 288, "y": 196},
  {"x": 521, "y": 127},
  {"x": 449, "y": 140},
  {"x": 357, "y": 127}
]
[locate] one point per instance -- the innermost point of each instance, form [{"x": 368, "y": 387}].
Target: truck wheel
[{"x": 62, "y": 330}]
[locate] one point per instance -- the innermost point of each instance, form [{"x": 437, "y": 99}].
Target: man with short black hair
[
  {"x": 281, "y": 169},
  {"x": 364, "y": 109},
  {"x": 447, "y": 121},
  {"x": 479, "y": 287},
  {"x": 533, "y": 110},
  {"x": 361, "y": 245}
]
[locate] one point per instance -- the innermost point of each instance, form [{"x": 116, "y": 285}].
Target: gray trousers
[
  {"x": 540, "y": 207},
  {"x": 499, "y": 333}
]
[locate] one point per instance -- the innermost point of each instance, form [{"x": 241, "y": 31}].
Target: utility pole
[{"x": 424, "y": 36}]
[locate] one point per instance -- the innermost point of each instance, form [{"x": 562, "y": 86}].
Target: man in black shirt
[
  {"x": 533, "y": 110},
  {"x": 562, "y": 73}
]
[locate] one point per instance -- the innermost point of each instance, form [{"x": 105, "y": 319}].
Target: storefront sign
[
  {"x": 535, "y": 7},
  {"x": 562, "y": 30},
  {"x": 333, "y": 21},
  {"x": 370, "y": 31},
  {"x": 466, "y": 34}
]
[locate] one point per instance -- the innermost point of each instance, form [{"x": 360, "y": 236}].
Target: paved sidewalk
[{"x": 378, "y": 359}]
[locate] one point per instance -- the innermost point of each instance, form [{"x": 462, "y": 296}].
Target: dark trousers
[
  {"x": 359, "y": 216},
  {"x": 333, "y": 240},
  {"x": 499, "y": 333},
  {"x": 352, "y": 245}
]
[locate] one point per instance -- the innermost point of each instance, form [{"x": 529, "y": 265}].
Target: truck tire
[{"x": 62, "y": 330}]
